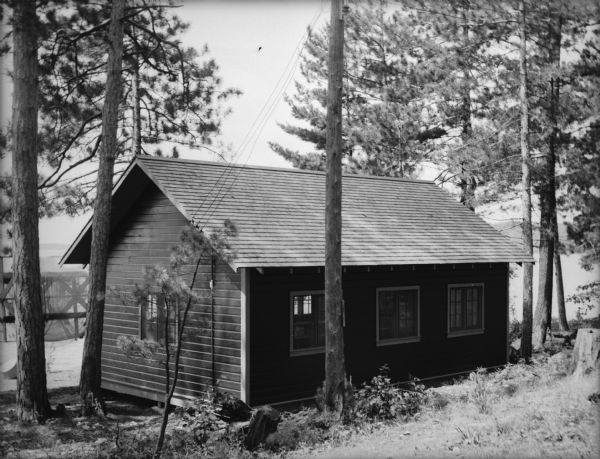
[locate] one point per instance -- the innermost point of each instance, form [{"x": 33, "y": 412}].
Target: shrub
[
  {"x": 436, "y": 400},
  {"x": 380, "y": 400},
  {"x": 128, "y": 444},
  {"x": 305, "y": 427},
  {"x": 202, "y": 417},
  {"x": 480, "y": 393}
]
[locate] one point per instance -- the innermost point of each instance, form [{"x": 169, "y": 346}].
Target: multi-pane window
[
  {"x": 465, "y": 309},
  {"x": 397, "y": 315},
  {"x": 153, "y": 312},
  {"x": 307, "y": 322}
]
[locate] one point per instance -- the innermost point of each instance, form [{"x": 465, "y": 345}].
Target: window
[
  {"x": 465, "y": 309},
  {"x": 152, "y": 320},
  {"x": 397, "y": 315},
  {"x": 307, "y": 322}
]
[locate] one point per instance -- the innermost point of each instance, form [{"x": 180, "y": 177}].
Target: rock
[
  {"x": 263, "y": 423},
  {"x": 586, "y": 353},
  {"x": 235, "y": 410}
]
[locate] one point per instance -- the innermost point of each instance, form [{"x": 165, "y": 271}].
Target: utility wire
[{"x": 254, "y": 132}]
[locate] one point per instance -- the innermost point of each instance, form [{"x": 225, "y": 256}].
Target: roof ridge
[{"x": 277, "y": 169}]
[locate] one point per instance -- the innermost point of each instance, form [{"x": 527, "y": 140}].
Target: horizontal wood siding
[
  {"x": 276, "y": 376},
  {"x": 145, "y": 238}
]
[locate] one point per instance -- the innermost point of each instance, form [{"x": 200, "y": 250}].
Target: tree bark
[
  {"x": 526, "y": 195},
  {"x": 32, "y": 395},
  {"x": 136, "y": 112},
  {"x": 89, "y": 385},
  {"x": 335, "y": 376},
  {"x": 467, "y": 180},
  {"x": 547, "y": 191},
  {"x": 563, "y": 323}
]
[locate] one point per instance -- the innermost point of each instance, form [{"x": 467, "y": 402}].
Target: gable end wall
[{"x": 145, "y": 238}]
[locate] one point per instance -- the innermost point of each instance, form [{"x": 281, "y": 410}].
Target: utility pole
[
  {"x": 335, "y": 373},
  {"x": 526, "y": 196}
]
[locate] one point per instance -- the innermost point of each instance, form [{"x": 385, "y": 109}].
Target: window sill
[
  {"x": 308, "y": 351},
  {"x": 391, "y": 342},
  {"x": 479, "y": 331}
]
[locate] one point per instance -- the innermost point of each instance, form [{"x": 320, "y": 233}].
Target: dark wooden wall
[
  {"x": 145, "y": 238},
  {"x": 276, "y": 376}
]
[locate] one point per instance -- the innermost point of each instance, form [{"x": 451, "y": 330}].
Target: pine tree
[
  {"x": 32, "y": 396},
  {"x": 526, "y": 192},
  {"x": 89, "y": 382},
  {"x": 564, "y": 109},
  {"x": 420, "y": 88},
  {"x": 381, "y": 99},
  {"x": 178, "y": 97},
  {"x": 547, "y": 192}
]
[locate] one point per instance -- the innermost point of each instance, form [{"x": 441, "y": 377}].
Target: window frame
[
  {"x": 465, "y": 332},
  {"x": 307, "y": 350},
  {"x": 162, "y": 314},
  {"x": 392, "y": 341}
]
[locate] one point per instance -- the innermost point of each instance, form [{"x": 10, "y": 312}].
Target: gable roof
[{"x": 280, "y": 216}]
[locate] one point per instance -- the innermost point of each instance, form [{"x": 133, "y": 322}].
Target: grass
[{"x": 520, "y": 411}]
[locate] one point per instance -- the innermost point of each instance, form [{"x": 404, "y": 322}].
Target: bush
[
  {"x": 480, "y": 394},
  {"x": 436, "y": 400},
  {"x": 380, "y": 400},
  {"x": 202, "y": 417},
  {"x": 305, "y": 427}
]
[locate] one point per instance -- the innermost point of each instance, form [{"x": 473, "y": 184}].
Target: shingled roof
[{"x": 280, "y": 216}]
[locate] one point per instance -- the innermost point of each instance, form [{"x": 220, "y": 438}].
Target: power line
[{"x": 255, "y": 129}]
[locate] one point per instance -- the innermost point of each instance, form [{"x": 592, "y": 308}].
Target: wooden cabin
[{"x": 425, "y": 279}]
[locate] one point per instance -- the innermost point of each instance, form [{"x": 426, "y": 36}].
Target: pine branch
[
  {"x": 66, "y": 149},
  {"x": 74, "y": 165}
]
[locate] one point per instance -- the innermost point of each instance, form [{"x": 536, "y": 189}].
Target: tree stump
[
  {"x": 263, "y": 423},
  {"x": 586, "y": 353}
]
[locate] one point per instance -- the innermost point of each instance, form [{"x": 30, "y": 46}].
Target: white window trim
[
  {"x": 306, "y": 350},
  {"x": 474, "y": 331},
  {"x": 392, "y": 341}
]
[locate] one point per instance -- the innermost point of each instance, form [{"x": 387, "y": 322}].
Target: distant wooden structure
[
  {"x": 65, "y": 305},
  {"x": 425, "y": 279}
]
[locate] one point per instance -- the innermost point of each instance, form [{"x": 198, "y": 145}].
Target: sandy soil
[{"x": 63, "y": 362}]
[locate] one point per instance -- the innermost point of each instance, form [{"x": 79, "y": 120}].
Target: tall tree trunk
[
  {"x": 560, "y": 289},
  {"x": 335, "y": 372},
  {"x": 547, "y": 191},
  {"x": 89, "y": 384},
  {"x": 526, "y": 194},
  {"x": 32, "y": 395},
  {"x": 136, "y": 112},
  {"x": 467, "y": 181}
]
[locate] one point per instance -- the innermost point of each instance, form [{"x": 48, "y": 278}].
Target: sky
[{"x": 256, "y": 45}]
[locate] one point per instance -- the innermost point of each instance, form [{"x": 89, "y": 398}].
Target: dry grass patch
[{"x": 520, "y": 411}]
